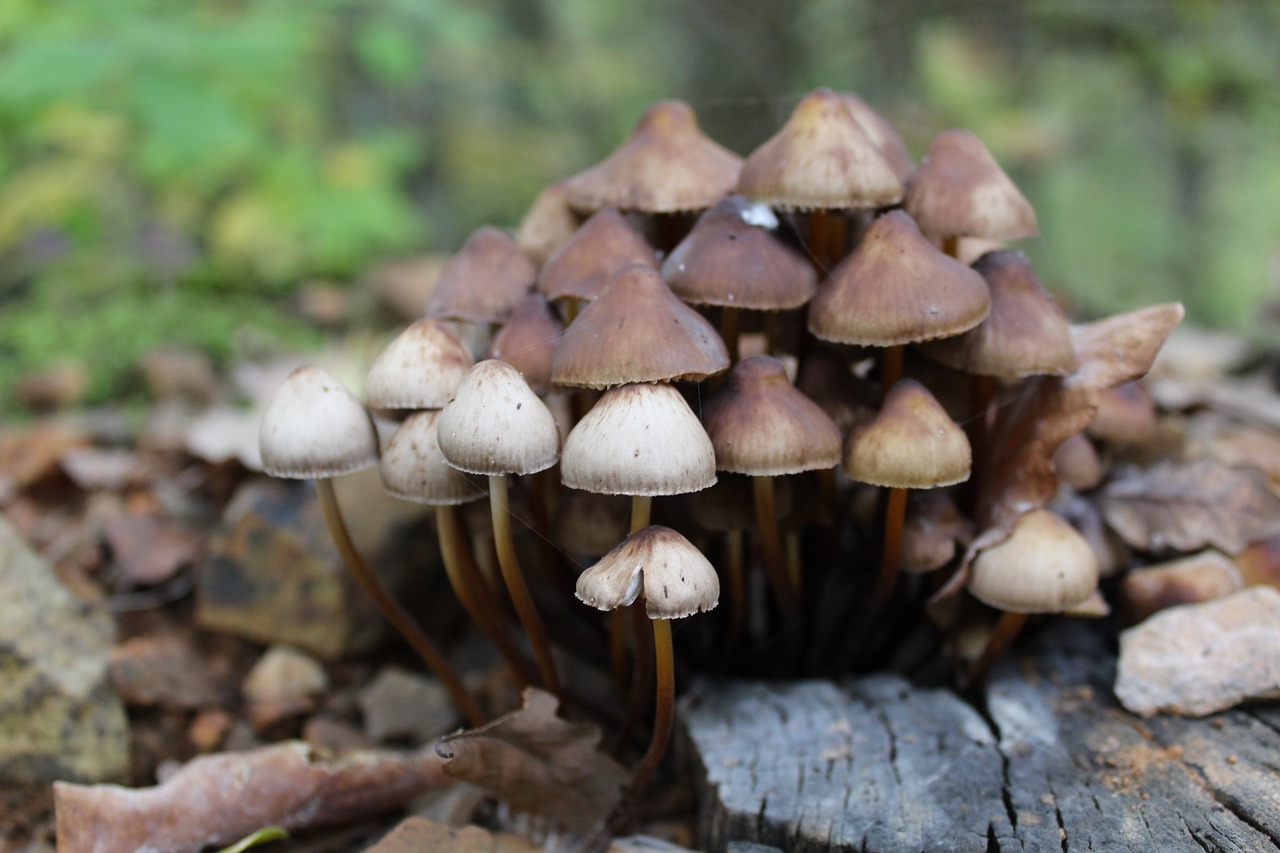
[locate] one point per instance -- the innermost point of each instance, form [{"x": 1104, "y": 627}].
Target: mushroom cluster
[{"x": 811, "y": 322}]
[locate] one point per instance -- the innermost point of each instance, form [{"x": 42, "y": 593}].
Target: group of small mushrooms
[{"x": 826, "y": 323}]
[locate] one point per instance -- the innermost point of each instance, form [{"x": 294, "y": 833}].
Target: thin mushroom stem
[
  {"x": 640, "y": 674},
  {"x": 1006, "y": 631},
  {"x": 771, "y": 545},
  {"x": 891, "y": 368},
  {"x": 891, "y": 555},
  {"x": 473, "y": 593},
  {"x": 399, "y": 618},
  {"x": 514, "y": 579},
  {"x": 730, "y": 330},
  {"x": 641, "y": 512},
  {"x": 737, "y": 588},
  {"x": 664, "y": 714}
]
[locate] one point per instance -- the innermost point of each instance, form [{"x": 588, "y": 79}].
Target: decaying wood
[{"x": 1049, "y": 762}]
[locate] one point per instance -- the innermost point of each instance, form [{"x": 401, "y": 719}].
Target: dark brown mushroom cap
[
  {"x": 677, "y": 580},
  {"x": 414, "y": 469},
  {"x": 637, "y": 331},
  {"x": 911, "y": 444},
  {"x": 729, "y": 259},
  {"x": 528, "y": 341},
  {"x": 666, "y": 166},
  {"x": 960, "y": 191},
  {"x": 419, "y": 369},
  {"x": 821, "y": 159},
  {"x": 897, "y": 288},
  {"x": 1045, "y": 566},
  {"x": 1025, "y": 334},
  {"x": 314, "y": 428},
  {"x": 761, "y": 425},
  {"x": 484, "y": 281},
  {"x": 582, "y": 267},
  {"x": 881, "y": 133},
  {"x": 547, "y": 225}
]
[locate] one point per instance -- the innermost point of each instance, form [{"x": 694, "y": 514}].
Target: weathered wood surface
[{"x": 1048, "y": 762}]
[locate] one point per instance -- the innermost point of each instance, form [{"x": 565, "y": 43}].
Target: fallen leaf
[
  {"x": 417, "y": 834},
  {"x": 219, "y": 799},
  {"x": 539, "y": 763},
  {"x": 149, "y": 549},
  {"x": 94, "y": 469},
  {"x": 1191, "y": 506}
]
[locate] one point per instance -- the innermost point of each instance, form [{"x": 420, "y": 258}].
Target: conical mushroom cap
[
  {"x": 897, "y": 288},
  {"x": 547, "y": 225},
  {"x": 761, "y": 425},
  {"x": 496, "y": 425},
  {"x": 676, "y": 578},
  {"x": 911, "y": 444},
  {"x": 413, "y": 468},
  {"x": 637, "y": 331},
  {"x": 528, "y": 341},
  {"x": 960, "y": 191},
  {"x": 639, "y": 440},
  {"x": 730, "y": 259},
  {"x": 314, "y": 428},
  {"x": 881, "y": 133},
  {"x": 1025, "y": 334},
  {"x": 1045, "y": 566},
  {"x": 821, "y": 159},
  {"x": 420, "y": 369},
  {"x": 667, "y": 166},
  {"x": 581, "y": 268},
  {"x": 484, "y": 281}
]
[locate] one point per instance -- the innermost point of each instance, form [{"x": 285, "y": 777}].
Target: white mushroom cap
[
  {"x": 1045, "y": 566},
  {"x": 314, "y": 428},
  {"x": 413, "y": 468},
  {"x": 677, "y": 579},
  {"x": 639, "y": 440},
  {"x": 420, "y": 369},
  {"x": 496, "y": 425}
]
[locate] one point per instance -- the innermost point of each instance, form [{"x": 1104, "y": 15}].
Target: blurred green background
[{"x": 171, "y": 171}]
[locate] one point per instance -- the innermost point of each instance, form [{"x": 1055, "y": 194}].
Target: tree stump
[{"x": 1045, "y": 759}]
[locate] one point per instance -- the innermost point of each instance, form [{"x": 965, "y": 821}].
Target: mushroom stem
[
  {"x": 514, "y": 579},
  {"x": 641, "y": 510},
  {"x": 473, "y": 593},
  {"x": 795, "y": 562},
  {"x": 737, "y": 588},
  {"x": 982, "y": 391},
  {"x": 951, "y": 246},
  {"x": 891, "y": 555},
  {"x": 399, "y": 618},
  {"x": 640, "y": 673},
  {"x": 730, "y": 330},
  {"x": 664, "y": 713},
  {"x": 1006, "y": 631},
  {"x": 826, "y": 239},
  {"x": 771, "y": 545},
  {"x": 890, "y": 368}
]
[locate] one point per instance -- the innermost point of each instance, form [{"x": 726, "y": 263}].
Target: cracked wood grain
[{"x": 1049, "y": 762}]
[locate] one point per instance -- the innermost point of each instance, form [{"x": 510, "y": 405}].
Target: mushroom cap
[
  {"x": 667, "y": 165},
  {"x": 761, "y": 425},
  {"x": 897, "y": 288},
  {"x": 932, "y": 527},
  {"x": 314, "y": 428},
  {"x": 637, "y": 331},
  {"x": 420, "y": 369},
  {"x": 960, "y": 191},
  {"x": 881, "y": 134},
  {"x": 676, "y": 578},
  {"x": 731, "y": 259},
  {"x": 484, "y": 281},
  {"x": 547, "y": 225},
  {"x": 582, "y": 267},
  {"x": 496, "y": 425},
  {"x": 639, "y": 440},
  {"x": 528, "y": 341},
  {"x": 1026, "y": 333},
  {"x": 414, "y": 469},
  {"x": 1045, "y": 566},
  {"x": 911, "y": 444},
  {"x": 821, "y": 159}
]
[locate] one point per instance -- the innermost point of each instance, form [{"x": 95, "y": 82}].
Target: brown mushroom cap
[
  {"x": 528, "y": 341},
  {"x": 897, "y": 288},
  {"x": 881, "y": 133},
  {"x": 911, "y": 444},
  {"x": 420, "y": 369},
  {"x": 960, "y": 191},
  {"x": 729, "y": 259},
  {"x": 582, "y": 267},
  {"x": 496, "y": 425},
  {"x": 1025, "y": 334},
  {"x": 761, "y": 425},
  {"x": 820, "y": 159},
  {"x": 639, "y": 440},
  {"x": 676, "y": 578},
  {"x": 931, "y": 530},
  {"x": 547, "y": 225},
  {"x": 637, "y": 331},
  {"x": 1045, "y": 566},
  {"x": 666, "y": 166},
  {"x": 484, "y": 281},
  {"x": 414, "y": 469},
  {"x": 314, "y": 428}
]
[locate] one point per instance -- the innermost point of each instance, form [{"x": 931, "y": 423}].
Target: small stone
[
  {"x": 59, "y": 716},
  {"x": 283, "y": 683},
  {"x": 400, "y": 705},
  {"x": 209, "y": 728},
  {"x": 161, "y": 670},
  {"x": 1200, "y": 658}
]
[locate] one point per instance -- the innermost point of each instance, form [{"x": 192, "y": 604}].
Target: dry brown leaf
[
  {"x": 218, "y": 799},
  {"x": 416, "y": 834},
  {"x": 1188, "y": 507},
  {"x": 539, "y": 763},
  {"x": 149, "y": 549}
]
